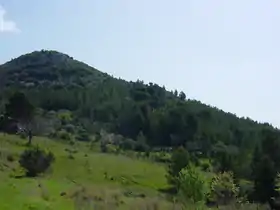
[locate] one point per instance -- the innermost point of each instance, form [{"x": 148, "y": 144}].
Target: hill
[
  {"x": 145, "y": 115},
  {"x": 43, "y": 68},
  {"x": 107, "y": 133}
]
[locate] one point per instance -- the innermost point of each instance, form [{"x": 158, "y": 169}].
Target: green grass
[
  {"x": 77, "y": 180},
  {"x": 130, "y": 183}
]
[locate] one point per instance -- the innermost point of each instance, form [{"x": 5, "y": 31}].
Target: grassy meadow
[
  {"x": 79, "y": 179},
  {"x": 82, "y": 178}
]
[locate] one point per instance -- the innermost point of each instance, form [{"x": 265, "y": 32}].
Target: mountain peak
[
  {"x": 50, "y": 55},
  {"x": 48, "y": 67}
]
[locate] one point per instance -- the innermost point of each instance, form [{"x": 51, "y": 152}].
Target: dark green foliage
[
  {"x": 271, "y": 146},
  {"x": 19, "y": 108},
  {"x": 264, "y": 180},
  {"x": 35, "y": 161},
  {"x": 22, "y": 135},
  {"x": 265, "y": 165},
  {"x": 223, "y": 190},
  {"x": 182, "y": 96},
  {"x": 99, "y": 101},
  {"x": 225, "y": 157},
  {"x": 246, "y": 189},
  {"x": 103, "y": 147},
  {"x": 82, "y": 135},
  {"x": 127, "y": 144},
  {"x": 180, "y": 159},
  {"x": 70, "y": 128},
  {"x": 11, "y": 157},
  {"x": 140, "y": 144},
  {"x": 64, "y": 135},
  {"x": 205, "y": 166}
]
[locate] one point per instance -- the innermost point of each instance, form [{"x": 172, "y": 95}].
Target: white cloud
[{"x": 7, "y": 25}]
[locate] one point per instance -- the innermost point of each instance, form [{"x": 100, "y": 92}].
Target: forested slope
[{"x": 146, "y": 113}]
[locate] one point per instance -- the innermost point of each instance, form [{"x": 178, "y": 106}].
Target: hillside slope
[
  {"x": 64, "y": 187},
  {"x": 146, "y": 115}
]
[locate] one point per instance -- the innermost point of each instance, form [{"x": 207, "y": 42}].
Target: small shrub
[
  {"x": 11, "y": 157},
  {"x": 193, "y": 185},
  {"x": 64, "y": 135},
  {"x": 71, "y": 156},
  {"x": 22, "y": 135},
  {"x": 111, "y": 148},
  {"x": 103, "y": 147},
  {"x": 69, "y": 128},
  {"x": 161, "y": 157},
  {"x": 35, "y": 161},
  {"x": 205, "y": 166},
  {"x": 223, "y": 188},
  {"x": 246, "y": 189},
  {"x": 82, "y": 135},
  {"x": 127, "y": 144},
  {"x": 180, "y": 159},
  {"x": 72, "y": 142}
]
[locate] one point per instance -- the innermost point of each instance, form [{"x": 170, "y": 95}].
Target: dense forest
[{"x": 146, "y": 117}]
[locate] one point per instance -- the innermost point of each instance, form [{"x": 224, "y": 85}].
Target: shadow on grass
[
  {"x": 168, "y": 190},
  {"x": 19, "y": 176}
]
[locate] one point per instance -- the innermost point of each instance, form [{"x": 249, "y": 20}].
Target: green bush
[
  {"x": 65, "y": 117},
  {"x": 11, "y": 157},
  {"x": 205, "y": 166},
  {"x": 223, "y": 188},
  {"x": 161, "y": 157},
  {"x": 69, "y": 128},
  {"x": 111, "y": 148},
  {"x": 103, "y": 147},
  {"x": 180, "y": 159},
  {"x": 127, "y": 144},
  {"x": 64, "y": 135},
  {"x": 246, "y": 189},
  {"x": 35, "y": 161},
  {"x": 22, "y": 135},
  {"x": 193, "y": 185},
  {"x": 82, "y": 135},
  {"x": 141, "y": 147}
]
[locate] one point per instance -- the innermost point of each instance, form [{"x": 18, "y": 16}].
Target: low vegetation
[{"x": 35, "y": 161}]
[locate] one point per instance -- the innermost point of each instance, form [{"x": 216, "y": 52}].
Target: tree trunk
[{"x": 29, "y": 137}]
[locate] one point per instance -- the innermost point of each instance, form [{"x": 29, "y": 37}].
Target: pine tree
[{"x": 264, "y": 180}]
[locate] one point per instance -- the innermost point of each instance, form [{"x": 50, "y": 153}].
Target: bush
[
  {"x": 223, "y": 188},
  {"x": 205, "y": 166},
  {"x": 246, "y": 189},
  {"x": 103, "y": 147},
  {"x": 111, "y": 148},
  {"x": 69, "y": 128},
  {"x": 64, "y": 135},
  {"x": 180, "y": 159},
  {"x": 141, "y": 147},
  {"x": 82, "y": 135},
  {"x": 11, "y": 157},
  {"x": 193, "y": 185},
  {"x": 127, "y": 144},
  {"x": 22, "y": 135},
  {"x": 35, "y": 161},
  {"x": 160, "y": 157}
]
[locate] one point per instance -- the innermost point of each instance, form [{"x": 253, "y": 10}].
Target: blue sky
[{"x": 224, "y": 53}]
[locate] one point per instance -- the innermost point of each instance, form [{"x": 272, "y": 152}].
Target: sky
[{"x": 225, "y": 53}]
